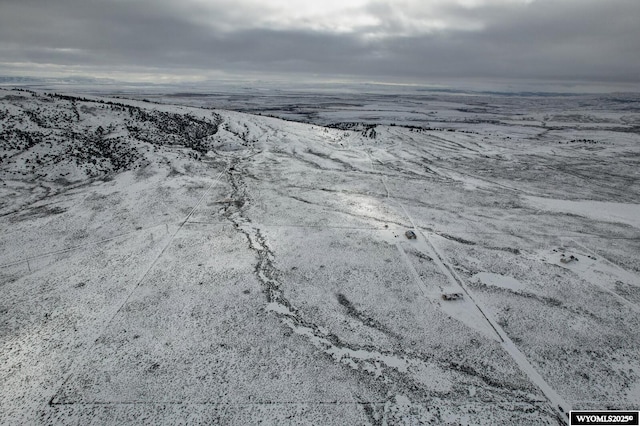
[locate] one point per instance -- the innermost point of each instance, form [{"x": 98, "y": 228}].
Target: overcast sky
[{"x": 373, "y": 40}]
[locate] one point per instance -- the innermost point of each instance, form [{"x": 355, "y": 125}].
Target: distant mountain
[
  {"x": 15, "y": 80},
  {"x": 71, "y": 80}
]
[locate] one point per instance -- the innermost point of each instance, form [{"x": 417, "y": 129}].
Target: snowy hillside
[{"x": 165, "y": 264}]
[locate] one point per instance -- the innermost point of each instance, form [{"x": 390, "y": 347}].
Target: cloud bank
[{"x": 409, "y": 40}]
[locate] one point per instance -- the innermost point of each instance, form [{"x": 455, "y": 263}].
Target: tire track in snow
[
  {"x": 557, "y": 402},
  {"x": 559, "y": 405},
  {"x": 380, "y": 363}
]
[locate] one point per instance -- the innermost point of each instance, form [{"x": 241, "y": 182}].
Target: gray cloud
[{"x": 571, "y": 39}]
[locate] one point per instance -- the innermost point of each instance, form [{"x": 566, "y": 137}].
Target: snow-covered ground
[{"x": 164, "y": 263}]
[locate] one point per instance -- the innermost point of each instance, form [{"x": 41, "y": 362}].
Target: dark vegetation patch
[
  {"x": 507, "y": 249},
  {"x": 353, "y": 312},
  {"x": 457, "y": 239},
  {"x": 366, "y": 130},
  {"x": 36, "y": 213},
  {"x": 162, "y": 128},
  {"x": 420, "y": 255},
  {"x": 44, "y": 135}
]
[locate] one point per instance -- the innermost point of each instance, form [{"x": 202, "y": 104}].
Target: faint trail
[
  {"x": 557, "y": 402},
  {"x": 634, "y": 307},
  {"x": 559, "y": 405},
  {"x": 94, "y": 338},
  {"x": 155, "y": 261},
  {"x": 80, "y": 246},
  {"x": 288, "y": 225},
  {"x": 60, "y": 191},
  {"x": 454, "y": 279},
  {"x": 412, "y": 269}
]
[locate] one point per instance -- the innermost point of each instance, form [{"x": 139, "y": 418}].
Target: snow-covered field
[{"x": 171, "y": 264}]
